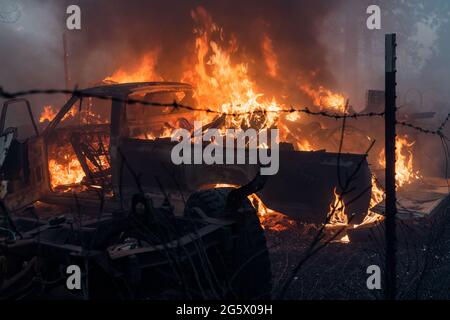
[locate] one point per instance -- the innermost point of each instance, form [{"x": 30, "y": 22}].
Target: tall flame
[
  {"x": 404, "y": 166},
  {"x": 336, "y": 214},
  {"x": 270, "y": 58},
  {"x": 221, "y": 83}
]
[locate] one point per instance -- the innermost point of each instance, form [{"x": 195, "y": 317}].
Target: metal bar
[
  {"x": 391, "y": 209},
  {"x": 5, "y": 110}
]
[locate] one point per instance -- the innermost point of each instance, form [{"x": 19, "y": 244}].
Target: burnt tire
[{"x": 242, "y": 261}]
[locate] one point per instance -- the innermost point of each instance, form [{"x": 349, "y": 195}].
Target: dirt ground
[{"x": 338, "y": 271}]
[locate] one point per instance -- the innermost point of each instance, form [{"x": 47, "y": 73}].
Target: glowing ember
[
  {"x": 325, "y": 99},
  {"x": 404, "y": 170},
  {"x": 344, "y": 239}
]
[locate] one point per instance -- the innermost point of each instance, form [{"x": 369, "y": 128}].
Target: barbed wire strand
[
  {"x": 85, "y": 93},
  {"x": 176, "y": 105}
]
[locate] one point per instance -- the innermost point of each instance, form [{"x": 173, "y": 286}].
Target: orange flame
[
  {"x": 221, "y": 83},
  {"x": 66, "y": 172},
  {"x": 336, "y": 214},
  {"x": 264, "y": 212},
  {"x": 145, "y": 71},
  {"x": 65, "y": 169},
  {"x": 377, "y": 193},
  {"x": 325, "y": 99},
  {"x": 47, "y": 114},
  {"x": 270, "y": 57},
  {"x": 404, "y": 168}
]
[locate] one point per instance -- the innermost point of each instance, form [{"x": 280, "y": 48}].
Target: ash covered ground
[{"x": 338, "y": 270}]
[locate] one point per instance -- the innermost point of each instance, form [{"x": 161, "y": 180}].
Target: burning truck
[
  {"x": 139, "y": 223},
  {"x": 93, "y": 183}
]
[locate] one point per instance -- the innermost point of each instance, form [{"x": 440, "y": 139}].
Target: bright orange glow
[
  {"x": 270, "y": 57},
  {"x": 144, "y": 71},
  {"x": 371, "y": 217},
  {"x": 87, "y": 116},
  {"x": 304, "y": 146},
  {"x": 66, "y": 172},
  {"x": 336, "y": 214},
  {"x": 166, "y": 132},
  {"x": 404, "y": 165},
  {"x": 221, "y": 83},
  {"x": 337, "y": 210},
  {"x": 377, "y": 193},
  {"x": 325, "y": 99},
  {"x": 64, "y": 167},
  {"x": 344, "y": 239},
  {"x": 264, "y": 212},
  {"x": 47, "y": 114}
]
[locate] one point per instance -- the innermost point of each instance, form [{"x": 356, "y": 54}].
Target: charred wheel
[{"x": 242, "y": 262}]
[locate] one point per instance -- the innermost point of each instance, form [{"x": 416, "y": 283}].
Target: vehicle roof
[
  {"x": 119, "y": 90},
  {"x": 124, "y": 89}
]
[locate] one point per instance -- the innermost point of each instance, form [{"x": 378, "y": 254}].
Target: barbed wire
[
  {"x": 444, "y": 123},
  {"x": 437, "y": 132},
  {"x": 176, "y": 105}
]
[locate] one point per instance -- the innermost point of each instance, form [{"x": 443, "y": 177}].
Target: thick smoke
[
  {"x": 116, "y": 34},
  {"x": 316, "y": 42}
]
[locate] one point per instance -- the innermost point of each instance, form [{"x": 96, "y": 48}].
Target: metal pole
[{"x": 391, "y": 209}]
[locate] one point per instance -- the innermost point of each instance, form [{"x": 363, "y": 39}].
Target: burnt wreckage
[{"x": 138, "y": 225}]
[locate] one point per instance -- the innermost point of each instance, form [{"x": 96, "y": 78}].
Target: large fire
[
  {"x": 64, "y": 167},
  {"x": 224, "y": 84},
  {"x": 405, "y": 174}
]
